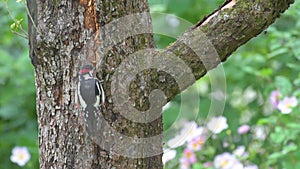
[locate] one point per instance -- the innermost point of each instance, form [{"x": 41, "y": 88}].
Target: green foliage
[
  {"x": 187, "y": 12},
  {"x": 18, "y": 124},
  {"x": 268, "y": 62}
]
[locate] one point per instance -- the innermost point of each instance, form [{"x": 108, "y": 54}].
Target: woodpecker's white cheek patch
[
  {"x": 82, "y": 103},
  {"x": 97, "y": 103}
]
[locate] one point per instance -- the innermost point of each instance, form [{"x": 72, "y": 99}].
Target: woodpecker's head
[{"x": 86, "y": 71}]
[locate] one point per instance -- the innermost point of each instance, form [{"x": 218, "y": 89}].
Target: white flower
[
  {"x": 237, "y": 165},
  {"x": 188, "y": 133},
  {"x": 251, "y": 167},
  {"x": 191, "y": 130},
  {"x": 217, "y": 124},
  {"x": 177, "y": 141},
  {"x": 240, "y": 152},
  {"x": 227, "y": 161},
  {"x": 260, "y": 132},
  {"x": 20, "y": 155},
  {"x": 168, "y": 155},
  {"x": 286, "y": 105}
]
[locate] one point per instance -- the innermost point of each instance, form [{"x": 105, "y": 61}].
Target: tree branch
[
  {"x": 64, "y": 45},
  {"x": 212, "y": 40}
]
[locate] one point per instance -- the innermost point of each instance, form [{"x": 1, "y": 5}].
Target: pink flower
[
  {"x": 184, "y": 163},
  {"x": 286, "y": 105},
  {"x": 274, "y": 98},
  {"x": 189, "y": 156},
  {"x": 197, "y": 143},
  {"x": 243, "y": 129},
  {"x": 207, "y": 164},
  {"x": 227, "y": 161}
]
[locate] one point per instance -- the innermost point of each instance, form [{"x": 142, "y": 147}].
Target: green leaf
[
  {"x": 278, "y": 52},
  {"x": 198, "y": 166},
  {"x": 12, "y": 26},
  {"x": 266, "y": 72},
  {"x": 274, "y": 157},
  {"x": 284, "y": 85},
  {"x": 294, "y": 126},
  {"x": 289, "y": 148},
  {"x": 297, "y": 82},
  {"x": 278, "y": 136},
  {"x": 268, "y": 120},
  {"x": 290, "y": 164}
]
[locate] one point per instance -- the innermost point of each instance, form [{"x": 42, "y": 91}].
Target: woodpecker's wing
[
  {"x": 102, "y": 94},
  {"x": 98, "y": 92}
]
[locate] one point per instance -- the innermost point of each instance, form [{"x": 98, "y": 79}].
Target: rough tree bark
[{"x": 66, "y": 34}]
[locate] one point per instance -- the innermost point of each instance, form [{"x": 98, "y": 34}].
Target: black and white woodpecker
[{"x": 91, "y": 97}]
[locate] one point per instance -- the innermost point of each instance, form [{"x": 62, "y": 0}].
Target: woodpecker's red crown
[{"x": 86, "y": 69}]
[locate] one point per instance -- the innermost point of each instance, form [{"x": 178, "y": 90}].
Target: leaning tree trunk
[{"x": 116, "y": 37}]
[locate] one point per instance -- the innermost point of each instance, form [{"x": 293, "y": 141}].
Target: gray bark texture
[{"x": 108, "y": 34}]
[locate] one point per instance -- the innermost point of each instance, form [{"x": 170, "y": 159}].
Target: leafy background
[
  {"x": 18, "y": 124},
  {"x": 268, "y": 62}
]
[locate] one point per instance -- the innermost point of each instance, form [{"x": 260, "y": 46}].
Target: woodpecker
[{"x": 91, "y": 98}]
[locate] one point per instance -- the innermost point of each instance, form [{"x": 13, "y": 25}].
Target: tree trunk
[
  {"x": 67, "y": 35},
  {"x": 116, "y": 37}
]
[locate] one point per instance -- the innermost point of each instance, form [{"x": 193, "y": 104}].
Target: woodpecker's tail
[{"x": 92, "y": 120}]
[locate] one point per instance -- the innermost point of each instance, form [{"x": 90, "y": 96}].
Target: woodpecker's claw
[
  {"x": 77, "y": 106},
  {"x": 103, "y": 104}
]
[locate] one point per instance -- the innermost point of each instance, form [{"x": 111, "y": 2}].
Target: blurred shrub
[
  {"x": 269, "y": 62},
  {"x": 18, "y": 124}
]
